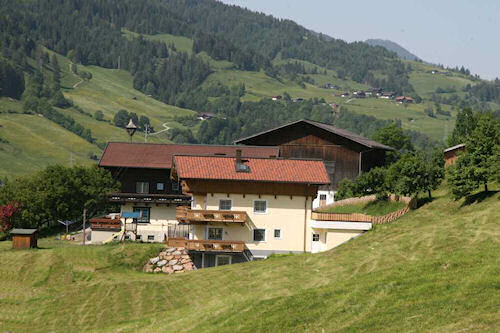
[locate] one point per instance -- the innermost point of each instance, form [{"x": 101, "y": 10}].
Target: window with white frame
[
  {"x": 214, "y": 233},
  {"x": 221, "y": 260},
  {"x": 225, "y": 204},
  {"x": 315, "y": 237},
  {"x": 260, "y": 206},
  {"x": 277, "y": 233},
  {"x": 259, "y": 235},
  {"x": 142, "y": 187},
  {"x": 160, "y": 186},
  {"x": 322, "y": 197}
]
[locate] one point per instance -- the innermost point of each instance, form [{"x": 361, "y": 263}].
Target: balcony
[
  {"x": 207, "y": 245},
  {"x": 105, "y": 224},
  {"x": 193, "y": 216},
  {"x": 149, "y": 198},
  {"x": 354, "y": 217}
]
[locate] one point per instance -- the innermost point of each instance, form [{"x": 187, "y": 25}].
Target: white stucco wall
[
  {"x": 330, "y": 198},
  {"x": 286, "y": 213}
]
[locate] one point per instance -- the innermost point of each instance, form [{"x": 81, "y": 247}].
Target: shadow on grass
[
  {"x": 424, "y": 201},
  {"x": 478, "y": 197}
]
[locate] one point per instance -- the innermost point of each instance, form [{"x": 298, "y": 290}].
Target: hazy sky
[{"x": 450, "y": 32}]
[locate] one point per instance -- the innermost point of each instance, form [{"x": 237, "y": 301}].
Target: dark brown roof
[
  {"x": 260, "y": 169},
  {"x": 159, "y": 156},
  {"x": 329, "y": 128}
]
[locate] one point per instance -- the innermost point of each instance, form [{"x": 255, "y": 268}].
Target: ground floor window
[
  {"x": 277, "y": 233},
  {"x": 214, "y": 233},
  {"x": 221, "y": 260},
  {"x": 151, "y": 237},
  {"x": 259, "y": 235},
  {"x": 145, "y": 214},
  {"x": 138, "y": 237},
  {"x": 315, "y": 237}
]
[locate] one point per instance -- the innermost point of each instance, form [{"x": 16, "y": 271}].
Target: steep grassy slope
[
  {"x": 436, "y": 269},
  {"x": 31, "y": 142},
  {"x": 34, "y": 142}
]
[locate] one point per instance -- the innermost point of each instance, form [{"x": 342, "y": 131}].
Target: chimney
[{"x": 238, "y": 156}]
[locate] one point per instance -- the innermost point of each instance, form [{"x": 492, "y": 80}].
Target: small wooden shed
[
  {"x": 451, "y": 154},
  {"x": 24, "y": 238}
]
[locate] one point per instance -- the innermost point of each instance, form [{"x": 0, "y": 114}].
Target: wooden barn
[
  {"x": 344, "y": 153},
  {"x": 451, "y": 154},
  {"x": 24, "y": 238}
]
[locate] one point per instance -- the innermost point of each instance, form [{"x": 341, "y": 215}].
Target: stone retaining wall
[{"x": 170, "y": 260}]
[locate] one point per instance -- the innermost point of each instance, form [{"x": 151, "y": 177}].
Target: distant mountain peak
[{"x": 394, "y": 47}]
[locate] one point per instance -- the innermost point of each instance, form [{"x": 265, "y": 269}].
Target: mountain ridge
[{"x": 394, "y": 47}]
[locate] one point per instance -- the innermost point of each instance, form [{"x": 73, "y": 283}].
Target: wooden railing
[
  {"x": 105, "y": 224},
  {"x": 207, "y": 245},
  {"x": 146, "y": 197},
  {"x": 187, "y": 215},
  {"x": 355, "y": 217}
]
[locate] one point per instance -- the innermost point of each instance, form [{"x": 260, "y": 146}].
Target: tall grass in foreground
[{"x": 435, "y": 269}]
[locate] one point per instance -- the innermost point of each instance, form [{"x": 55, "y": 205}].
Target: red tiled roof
[
  {"x": 159, "y": 156},
  {"x": 261, "y": 169}
]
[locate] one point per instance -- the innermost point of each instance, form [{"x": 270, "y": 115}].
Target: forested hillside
[{"x": 87, "y": 66}]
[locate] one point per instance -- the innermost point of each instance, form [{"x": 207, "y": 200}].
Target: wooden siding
[
  {"x": 128, "y": 177},
  {"x": 207, "y": 245},
  {"x": 200, "y": 186},
  {"x": 340, "y": 162},
  {"x": 341, "y": 155},
  {"x": 24, "y": 241},
  {"x": 450, "y": 157},
  {"x": 187, "y": 215}
]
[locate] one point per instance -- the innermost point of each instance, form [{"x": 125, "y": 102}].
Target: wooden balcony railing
[
  {"x": 355, "y": 217},
  {"x": 187, "y": 215},
  {"x": 207, "y": 245},
  {"x": 105, "y": 224},
  {"x": 152, "y": 198}
]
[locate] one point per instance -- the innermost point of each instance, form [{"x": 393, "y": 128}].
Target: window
[
  {"x": 144, "y": 216},
  {"x": 322, "y": 197},
  {"x": 160, "y": 186},
  {"x": 259, "y": 235},
  {"x": 277, "y": 233},
  {"x": 225, "y": 204},
  {"x": 315, "y": 237},
  {"x": 142, "y": 187},
  {"x": 260, "y": 206},
  {"x": 138, "y": 237},
  {"x": 127, "y": 237},
  {"x": 175, "y": 186},
  {"x": 215, "y": 233},
  {"x": 222, "y": 260},
  {"x": 151, "y": 237}
]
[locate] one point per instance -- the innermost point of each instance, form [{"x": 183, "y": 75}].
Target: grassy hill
[
  {"x": 31, "y": 142},
  {"x": 110, "y": 90},
  {"x": 435, "y": 269},
  {"x": 34, "y": 142}
]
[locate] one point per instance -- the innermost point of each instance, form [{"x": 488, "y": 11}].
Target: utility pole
[
  {"x": 118, "y": 62},
  {"x": 146, "y": 132},
  {"x": 84, "y": 213}
]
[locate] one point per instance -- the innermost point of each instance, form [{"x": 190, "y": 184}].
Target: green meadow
[{"x": 435, "y": 269}]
